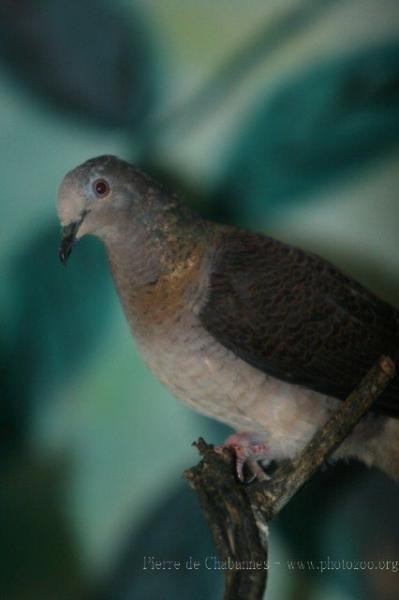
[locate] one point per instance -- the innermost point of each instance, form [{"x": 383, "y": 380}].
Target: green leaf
[
  {"x": 56, "y": 318},
  {"x": 87, "y": 58},
  {"x": 325, "y": 123}
]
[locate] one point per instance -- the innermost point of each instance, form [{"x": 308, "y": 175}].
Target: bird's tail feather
[{"x": 375, "y": 442}]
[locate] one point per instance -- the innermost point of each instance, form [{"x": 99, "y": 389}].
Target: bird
[{"x": 253, "y": 332}]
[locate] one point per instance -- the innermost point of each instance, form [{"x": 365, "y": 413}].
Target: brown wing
[{"x": 295, "y": 316}]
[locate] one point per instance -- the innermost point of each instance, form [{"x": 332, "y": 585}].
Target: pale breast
[
  {"x": 201, "y": 372},
  {"x": 211, "y": 379}
]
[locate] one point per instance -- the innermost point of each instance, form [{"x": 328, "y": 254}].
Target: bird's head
[{"x": 98, "y": 196}]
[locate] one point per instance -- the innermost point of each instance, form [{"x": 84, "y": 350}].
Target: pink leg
[{"x": 248, "y": 451}]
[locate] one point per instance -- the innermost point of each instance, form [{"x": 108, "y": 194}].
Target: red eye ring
[{"x": 101, "y": 188}]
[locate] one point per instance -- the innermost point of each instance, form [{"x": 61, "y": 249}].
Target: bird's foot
[{"x": 248, "y": 453}]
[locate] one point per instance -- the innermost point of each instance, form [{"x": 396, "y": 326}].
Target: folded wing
[{"x": 296, "y": 317}]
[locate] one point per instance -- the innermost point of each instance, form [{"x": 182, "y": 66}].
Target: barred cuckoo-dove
[{"x": 248, "y": 330}]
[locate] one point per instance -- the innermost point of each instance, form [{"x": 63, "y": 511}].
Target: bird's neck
[{"x": 154, "y": 265}]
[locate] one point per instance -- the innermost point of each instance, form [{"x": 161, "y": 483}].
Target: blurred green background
[{"x": 282, "y": 116}]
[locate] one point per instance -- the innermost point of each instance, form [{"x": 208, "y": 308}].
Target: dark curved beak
[{"x": 68, "y": 237}]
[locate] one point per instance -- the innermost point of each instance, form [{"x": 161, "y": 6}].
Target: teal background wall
[{"x": 280, "y": 116}]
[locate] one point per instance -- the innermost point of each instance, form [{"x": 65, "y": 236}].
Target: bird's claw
[{"x": 247, "y": 454}]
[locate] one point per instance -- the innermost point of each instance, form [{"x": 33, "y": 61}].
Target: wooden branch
[
  {"x": 227, "y": 509},
  {"x": 238, "y": 515}
]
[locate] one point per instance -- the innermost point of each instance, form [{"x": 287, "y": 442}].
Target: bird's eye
[{"x": 101, "y": 188}]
